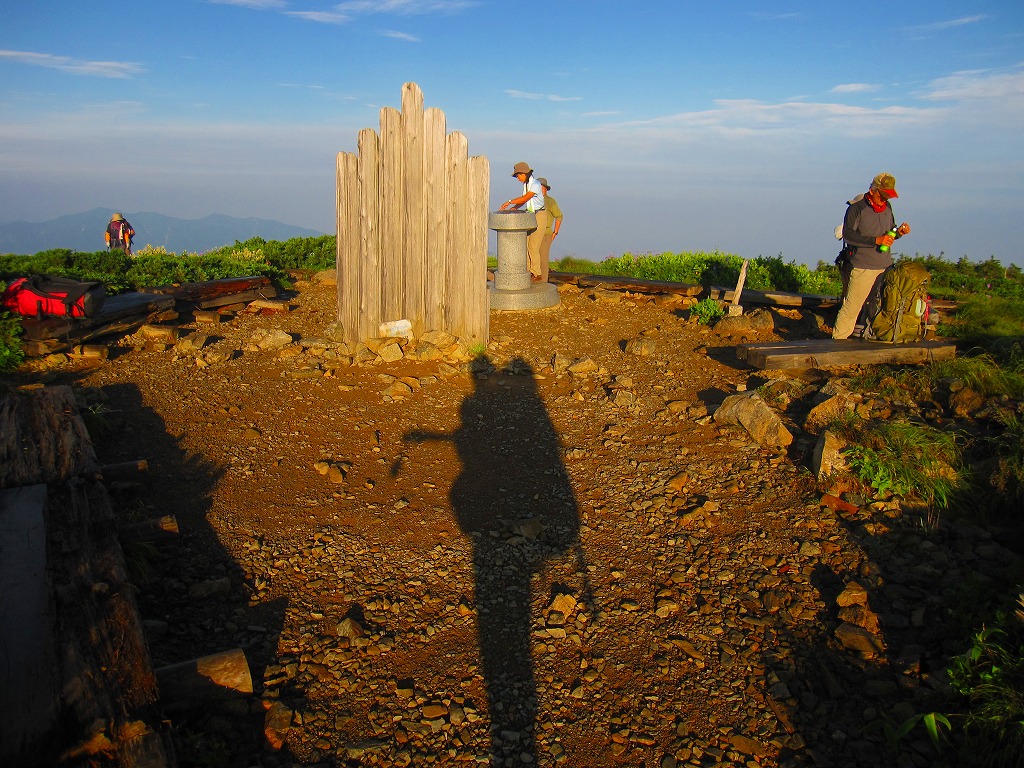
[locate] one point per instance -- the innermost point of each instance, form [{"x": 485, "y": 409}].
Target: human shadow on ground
[
  {"x": 193, "y": 595},
  {"x": 514, "y": 499}
]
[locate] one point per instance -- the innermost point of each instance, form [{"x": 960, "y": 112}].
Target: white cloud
[
  {"x": 539, "y": 96},
  {"x": 748, "y": 117},
  {"x": 768, "y": 16},
  {"x": 324, "y": 17},
  {"x": 257, "y": 4},
  {"x": 941, "y": 26},
  {"x": 348, "y": 11},
  {"x": 855, "y": 88},
  {"x": 113, "y": 69},
  {"x": 1006, "y": 88},
  {"x": 408, "y": 7},
  {"x": 401, "y": 36}
]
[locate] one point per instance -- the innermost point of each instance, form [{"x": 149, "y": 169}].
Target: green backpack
[{"x": 898, "y": 312}]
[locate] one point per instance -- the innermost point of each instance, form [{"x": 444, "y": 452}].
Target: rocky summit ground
[{"x": 545, "y": 554}]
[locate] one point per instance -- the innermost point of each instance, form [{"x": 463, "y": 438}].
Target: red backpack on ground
[{"x": 49, "y": 296}]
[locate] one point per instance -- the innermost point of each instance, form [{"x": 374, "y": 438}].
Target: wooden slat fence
[{"x": 412, "y": 227}]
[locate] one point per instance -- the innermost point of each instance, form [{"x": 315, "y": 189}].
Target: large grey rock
[
  {"x": 831, "y": 409},
  {"x": 752, "y": 413},
  {"x": 827, "y": 458}
]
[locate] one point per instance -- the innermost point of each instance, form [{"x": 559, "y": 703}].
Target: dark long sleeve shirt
[{"x": 860, "y": 228}]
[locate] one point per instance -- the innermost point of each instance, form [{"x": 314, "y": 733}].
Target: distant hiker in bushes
[
  {"x": 869, "y": 229},
  {"x": 554, "y": 224},
  {"x": 533, "y": 199},
  {"x": 119, "y": 234}
]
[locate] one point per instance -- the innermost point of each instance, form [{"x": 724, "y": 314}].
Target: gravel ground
[{"x": 550, "y": 555}]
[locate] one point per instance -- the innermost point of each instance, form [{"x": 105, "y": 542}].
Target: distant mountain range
[{"x": 84, "y": 232}]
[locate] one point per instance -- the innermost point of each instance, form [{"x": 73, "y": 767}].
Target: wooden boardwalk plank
[
  {"x": 29, "y": 692},
  {"x": 830, "y": 353},
  {"x": 640, "y": 285}
]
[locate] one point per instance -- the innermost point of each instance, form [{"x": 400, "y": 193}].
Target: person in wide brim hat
[
  {"x": 533, "y": 199},
  {"x": 119, "y": 234}
]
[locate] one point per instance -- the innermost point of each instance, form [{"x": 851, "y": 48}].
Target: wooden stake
[
  {"x": 734, "y": 306},
  {"x": 216, "y": 677}
]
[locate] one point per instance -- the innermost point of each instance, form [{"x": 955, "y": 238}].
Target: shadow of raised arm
[{"x": 419, "y": 436}]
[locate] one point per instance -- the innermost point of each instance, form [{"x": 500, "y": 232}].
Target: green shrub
[
  {"x": 11, "y": 354},
  {"x": 983, "y": 320},
  {"x": 899, "y": 457},
  {"x": 980, "y": 372},
  {"x": 313, "y": 253},
  {"x": 706, "y": 311},
  {"x": 1007, "y": 476},
  {"x": 574, "y": 264},
  {"x": 991, "y": 676}
]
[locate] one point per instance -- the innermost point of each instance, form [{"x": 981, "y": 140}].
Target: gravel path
[{"x": 553, "y": 556}]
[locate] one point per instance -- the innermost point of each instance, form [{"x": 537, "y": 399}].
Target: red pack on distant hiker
[{"x": 49, "y": 296}]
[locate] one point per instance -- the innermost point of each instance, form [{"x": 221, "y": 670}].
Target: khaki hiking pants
[
  {"x": 534, "y": 241},
  {"x": 856, "y": 289}
]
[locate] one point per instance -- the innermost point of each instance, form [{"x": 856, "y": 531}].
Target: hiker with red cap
[
  {"x": 869, "y": 228},
  {"x": 533, "y": 199}
]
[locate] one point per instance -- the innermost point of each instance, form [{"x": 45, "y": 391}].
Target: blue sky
[{"x": 661, "y": 125}]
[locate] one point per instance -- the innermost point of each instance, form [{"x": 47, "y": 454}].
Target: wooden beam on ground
[
  {"x": 29, "y": 697},
  {"x": 119, "y": 315},
  {"x": 750, "y": 296},
  {"x": 200, "y": 681},
  {"x": 235, "y": 298},
  {"x": 208, "y": 290},
  {"x": 43, "y": 438},
  {"x": 77, "y": 686},
  {"x": 153, "y": 529},
  {"x": 114, "y": 309},
  {"x": 636, "y": 285},
  {"x": 830, "y": 353},
  {"x": 133, "y": 471}
]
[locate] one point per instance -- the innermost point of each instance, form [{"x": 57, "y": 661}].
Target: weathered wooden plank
[
  {"x": 206, "y": 290},
  {"x": 105, "y": 671},
  {"x": 152, "y": 529},
  {"x": 103, "y": 693},
  {"x": 372, "y": 282},
  {"x": 750, "y": 295},
  {"x": 349, "y": 245},
  {"x": 477, "y": 325},
  {"x": 392, "y": 220},
  {"x": 636, "y": 285},
  {"x": 829, "y": 353},
  {"x": 456, "y": 162},
  {"x": 29, "y": 693},
  {"x": 43, "y": 438},
  {"x": 414, "y": 208},
  {"x": 210, "y": 678},
  {"x": 115, "y": 309},
  {"x": 236, "y": 298},
  {"x": 437, "y": 255}
]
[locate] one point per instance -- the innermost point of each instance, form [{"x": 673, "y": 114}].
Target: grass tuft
[
  {"x": 991, "y": 676},
  {"x": 899, "y": 457}
]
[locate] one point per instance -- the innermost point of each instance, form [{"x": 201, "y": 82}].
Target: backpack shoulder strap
[{"x": 51, "y": 285}]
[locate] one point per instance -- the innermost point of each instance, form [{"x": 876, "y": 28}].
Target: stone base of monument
[
  {"x": 537, "y": 296},
  {"x": 512, "y": 288}
]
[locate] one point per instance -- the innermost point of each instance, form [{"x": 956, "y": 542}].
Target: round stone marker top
[{"x": 511, "y": 220}]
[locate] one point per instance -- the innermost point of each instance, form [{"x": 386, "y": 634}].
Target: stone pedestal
[{"x": 512, "y": 288}]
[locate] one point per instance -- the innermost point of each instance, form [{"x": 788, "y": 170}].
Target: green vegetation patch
[{"x": 900, "y": 457}]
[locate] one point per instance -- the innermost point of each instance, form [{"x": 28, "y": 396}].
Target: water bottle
[{"x": 883, "y": 247}]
